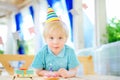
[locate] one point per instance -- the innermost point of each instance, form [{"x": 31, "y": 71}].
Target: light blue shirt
[{"x": 45, "y": 59}]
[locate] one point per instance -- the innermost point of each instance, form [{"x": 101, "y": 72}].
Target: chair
[
  {"x": 6, "y": 58},
  {"x": 88, "y": 66}
]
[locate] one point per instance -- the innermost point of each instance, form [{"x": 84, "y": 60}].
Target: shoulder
[
  {"x": 43, "y": 50},
  {"x": 68, "y": 48},
  {"x": 44, "y": 47}
]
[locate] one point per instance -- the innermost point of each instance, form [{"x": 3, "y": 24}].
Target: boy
[{"x": 55, "y": 59}]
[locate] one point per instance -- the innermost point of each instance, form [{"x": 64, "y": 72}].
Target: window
[
  {"x": 25, "y": 29},
  {"x": 88, "y": 23}
]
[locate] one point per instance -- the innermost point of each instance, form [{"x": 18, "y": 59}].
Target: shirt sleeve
[
  {"x": 38, "y": 62},
  {"x": 73, "y": 61}
]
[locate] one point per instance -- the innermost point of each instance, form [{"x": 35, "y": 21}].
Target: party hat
[{"x": 51, "y": 15}]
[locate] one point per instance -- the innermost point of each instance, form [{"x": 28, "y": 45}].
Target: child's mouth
[{"x": 56, "y": 47}]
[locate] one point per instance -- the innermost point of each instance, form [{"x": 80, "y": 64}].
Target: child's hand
[
  {"x": 51, "y": 74},
  {"x": 63, "y": 72}
]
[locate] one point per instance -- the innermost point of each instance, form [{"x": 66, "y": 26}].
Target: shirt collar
[{"x": 61, "y": 54}]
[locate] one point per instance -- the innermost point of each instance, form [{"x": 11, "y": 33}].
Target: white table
[{"x": 85, "y": 77}]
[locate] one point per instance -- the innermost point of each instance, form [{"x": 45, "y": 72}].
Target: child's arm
[
  {"x": 40, "y": 72},
  {"x": 65, "y": 73},
  {"x": 46, "y": 73}
]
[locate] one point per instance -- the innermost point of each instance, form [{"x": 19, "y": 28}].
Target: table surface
[{"x": 85, "y": 77}]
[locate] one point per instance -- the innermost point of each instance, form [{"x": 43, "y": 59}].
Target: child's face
[{"x": 56, "y": 41}]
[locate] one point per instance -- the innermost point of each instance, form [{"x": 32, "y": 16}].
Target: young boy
[{"x": 55, "y": 58}]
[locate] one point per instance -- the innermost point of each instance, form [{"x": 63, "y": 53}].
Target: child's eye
[
  {"x": 51, "y": 37},
  {"x": 60, "y": 37}
]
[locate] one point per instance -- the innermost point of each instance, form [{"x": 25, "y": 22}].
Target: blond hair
[{"x": 58, "y": 26}]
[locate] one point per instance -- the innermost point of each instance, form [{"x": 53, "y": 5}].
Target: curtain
[{"x": 20, "y": 43}]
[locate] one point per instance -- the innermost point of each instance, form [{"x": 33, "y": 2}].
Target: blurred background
[{"x": 94, "y": 28}]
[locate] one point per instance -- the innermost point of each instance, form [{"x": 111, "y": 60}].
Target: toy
[{"x": 24, "y": 73}]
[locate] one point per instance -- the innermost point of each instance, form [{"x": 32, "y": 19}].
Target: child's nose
[{"x": 55, "y": 41}]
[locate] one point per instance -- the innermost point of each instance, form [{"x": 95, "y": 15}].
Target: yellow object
[
  {"x": 51, "y": 78},
  {"x": 6, "y": 58},
  {"x": 87, "y": 62}
]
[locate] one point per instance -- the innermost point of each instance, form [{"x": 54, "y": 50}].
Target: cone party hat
[{"x": 51, "y": 15}]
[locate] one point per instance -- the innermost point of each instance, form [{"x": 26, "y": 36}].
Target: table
[{"x": 85, "y": 77}]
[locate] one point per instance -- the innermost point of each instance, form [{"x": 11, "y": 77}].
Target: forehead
[{"x": 56, "y": 33}]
